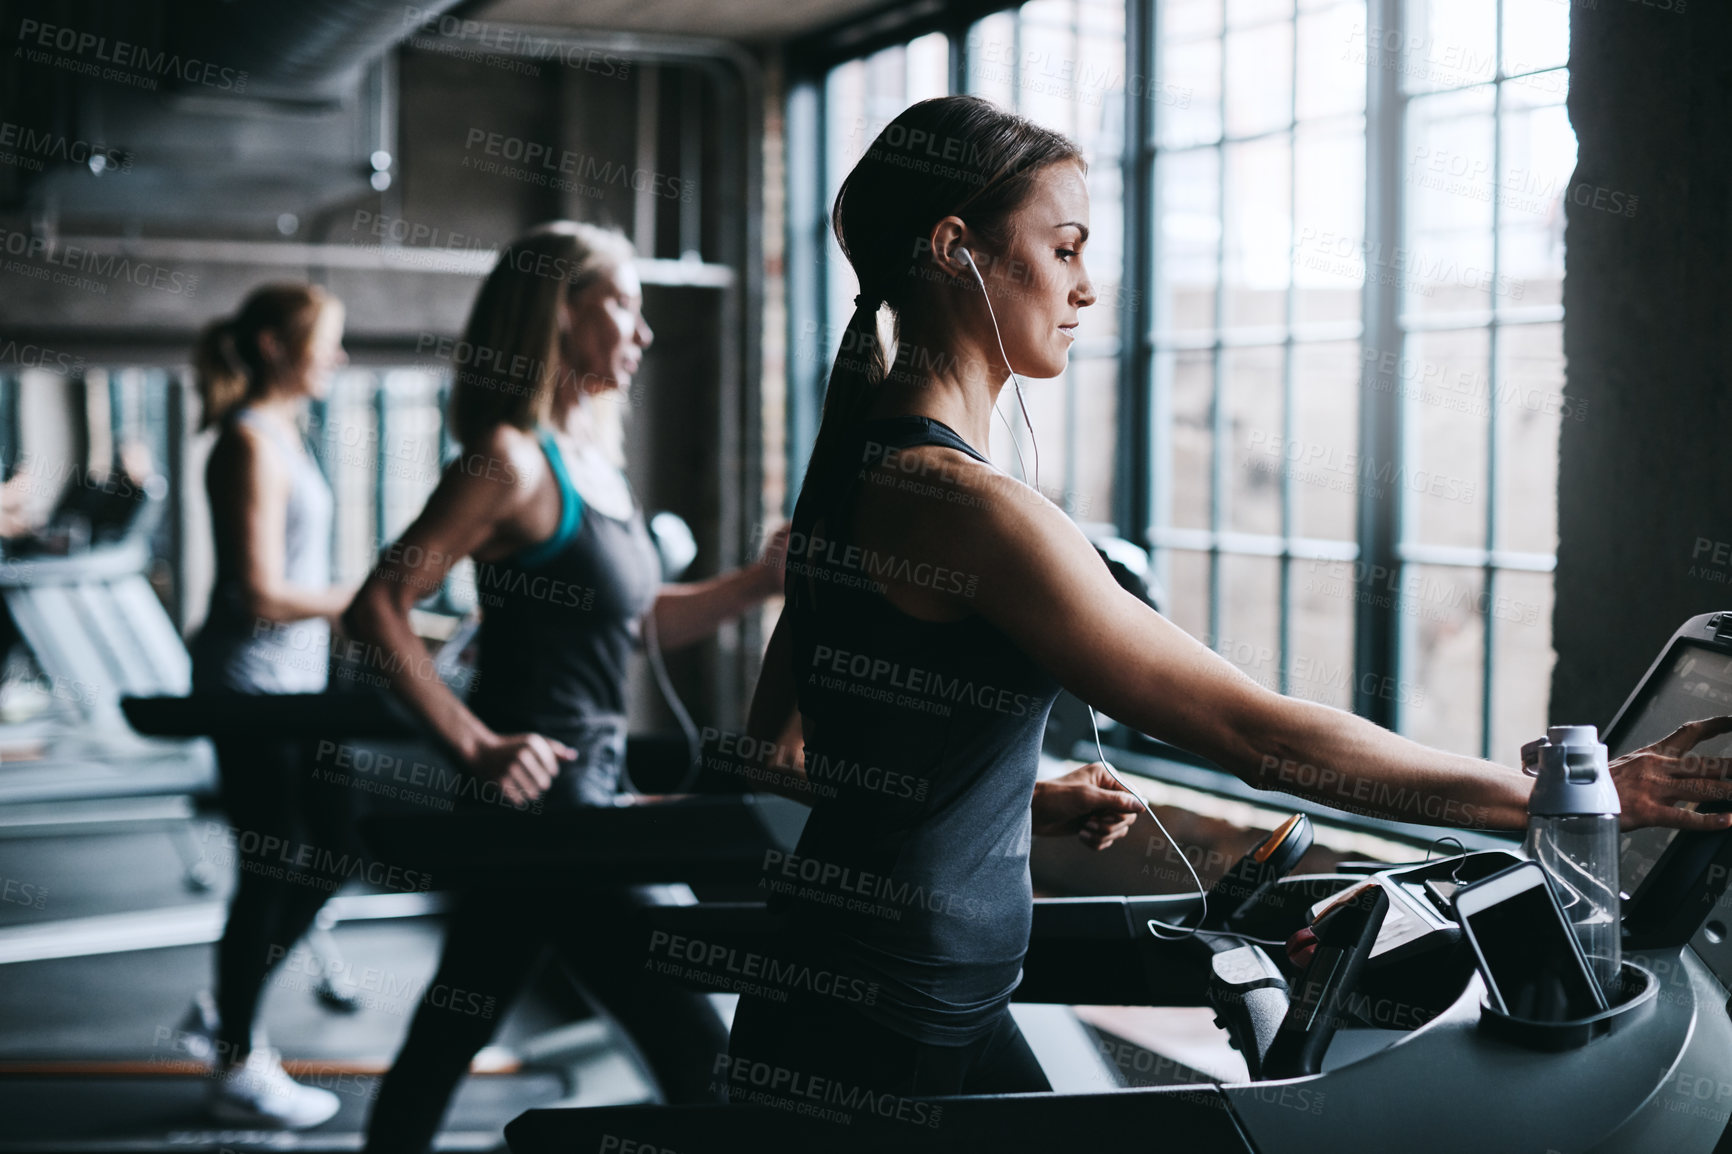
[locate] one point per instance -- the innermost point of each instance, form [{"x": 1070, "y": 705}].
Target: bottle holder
[{"x": 1637, "y": 993}]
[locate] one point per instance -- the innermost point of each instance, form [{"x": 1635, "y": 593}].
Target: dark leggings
[
  {"x": 492, "y": 946},
  {"x": 294, "y": 844},
  {"x": 837, "y": 1042}
]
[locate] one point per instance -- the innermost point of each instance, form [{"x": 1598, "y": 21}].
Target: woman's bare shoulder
[
  {"x": 242, "y": 456},
  {"x": 944, "y": 509},
  {"x": 504, "y": 454}
]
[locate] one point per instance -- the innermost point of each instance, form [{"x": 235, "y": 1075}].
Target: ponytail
[
  {"x": 229, "y": 366},
  {"x": 219, "y": 372},
  {"x": 859, "y": 369}
]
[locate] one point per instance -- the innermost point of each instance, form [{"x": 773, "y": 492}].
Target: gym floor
[{"x": 92, "y": 1056}]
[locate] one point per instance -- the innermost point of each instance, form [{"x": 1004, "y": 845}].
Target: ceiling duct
[
  {"x": 309, "y": 51},
  {"x": 210, "y": 117}
]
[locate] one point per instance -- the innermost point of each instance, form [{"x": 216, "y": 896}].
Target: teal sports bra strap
[{"x": 570, "y": 510}]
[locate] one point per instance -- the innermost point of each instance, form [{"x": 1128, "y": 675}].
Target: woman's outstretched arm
[
  {"x": 690, "y": 611},
  {"x": 1039, "y": 580}
]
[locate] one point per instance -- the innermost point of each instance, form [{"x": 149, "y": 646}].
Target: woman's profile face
[
  {"x": 1038, "y": 284},
  {"x": 311, "y": 375},
  {"x": 607, "y": 334}
]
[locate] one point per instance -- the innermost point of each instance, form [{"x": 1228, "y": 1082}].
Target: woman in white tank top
[{"x": 269, "y": 631}]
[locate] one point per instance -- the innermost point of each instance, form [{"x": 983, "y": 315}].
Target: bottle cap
[
  {"x": 1573, "y": 778},
  {"x": 1573, "y": 735}
]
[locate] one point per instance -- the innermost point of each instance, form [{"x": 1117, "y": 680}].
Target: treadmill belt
[{"x": 48, "y": 1114}]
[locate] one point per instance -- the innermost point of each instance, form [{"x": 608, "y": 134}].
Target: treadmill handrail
[{"x": 273, "y": 716}]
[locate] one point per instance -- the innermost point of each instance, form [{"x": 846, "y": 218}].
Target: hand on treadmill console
[
  {"x": 1654, "y": 780},
  {"x": 524, "y": 764}
]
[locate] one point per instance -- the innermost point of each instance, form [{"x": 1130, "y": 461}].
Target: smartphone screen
[{"x": 1531, "y": 960}]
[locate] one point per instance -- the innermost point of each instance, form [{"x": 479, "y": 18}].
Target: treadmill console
[{"x": 1672, "y": 881}]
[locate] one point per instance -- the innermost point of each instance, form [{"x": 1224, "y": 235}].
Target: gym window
[{"x": 1323, "y": 382}]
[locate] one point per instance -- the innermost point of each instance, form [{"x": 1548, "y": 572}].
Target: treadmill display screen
[{"x": 1695, "y": 683}]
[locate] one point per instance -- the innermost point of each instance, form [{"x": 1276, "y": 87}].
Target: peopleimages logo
[
  {"x": 749, "y": 972},
  {"x": 129, "y": 63},
  {"x": 862, "y": 891},
  {"x": 810, "y": 1095},
  {"x": 43, "y": 260},
  {"x": 25, "y": 355},
  {"x": 544, "y": 159},
  {"x": 44, "y": 144},
  {"x": 927, "y": 690}
]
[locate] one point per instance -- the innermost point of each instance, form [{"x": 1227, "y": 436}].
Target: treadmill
[
  {"x": 1419, "y": 1063},
  {"x": 78, "y": 630},
  {"x": 1674, "y": 883}
]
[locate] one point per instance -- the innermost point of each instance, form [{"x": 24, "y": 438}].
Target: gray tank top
[
  {"x": 237, "y": 652},
  {"x": 922, "y": 741},
  {"x": 558, "y": 624}
]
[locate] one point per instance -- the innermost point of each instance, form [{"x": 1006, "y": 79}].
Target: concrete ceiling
[{"x": 745, "y": 20}]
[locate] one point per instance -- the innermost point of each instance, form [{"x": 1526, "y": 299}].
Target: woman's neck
[
  {"x": 568, "y": 422},
  {"x": 565, "y": 415},
  {"x": 572, "y": 417},
  {"x": 956, "y": 382},
  {"x": 281, "y": 406},
  {"x": 966, "y": 408}
]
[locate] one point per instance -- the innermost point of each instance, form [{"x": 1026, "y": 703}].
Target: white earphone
[
  {"x": 967, "y": 258},
  {"x": 1176, "y": 931}
]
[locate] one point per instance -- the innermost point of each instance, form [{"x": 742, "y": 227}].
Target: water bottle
[{"x": 1573, "y": 835}]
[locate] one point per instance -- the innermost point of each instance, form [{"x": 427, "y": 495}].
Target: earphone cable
[{"x": 1016, "y": 383}]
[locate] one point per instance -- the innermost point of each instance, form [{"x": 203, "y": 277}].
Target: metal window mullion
[
  {"x": 1376, "y": 610},
  {"x": 1217, "y": 480},
  {"x": 807, "y": 288},
  {"x": 1489, "y": 581},
  {"x": 1284, "y": 628},
  {"x": 956, "y": 43},
  {"x": 1256, "y": 544},
  {"x": 691, "y": 163},
  {"x": 1218, "y": 474},
  {"x": 11, "y": 389},
  {"x": 447, "y": 602},
  {"x": 179, "y": 433},
  {"x": 117, "y": 412},
  {"x": 381, "y": 475},
  {"x": 1143, "y": 439},
  {"x": 1217, "y": 409},
  {"x": 648, "y": 125},
  {"x": 1067, "y": 498}
]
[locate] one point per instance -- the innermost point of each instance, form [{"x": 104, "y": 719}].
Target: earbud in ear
[{"x": 967, "y": 258}]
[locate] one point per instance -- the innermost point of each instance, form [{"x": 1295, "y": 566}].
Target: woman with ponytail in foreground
[
  {"x": 269, "y": 631},
  {"x": 918, "y": 997}
]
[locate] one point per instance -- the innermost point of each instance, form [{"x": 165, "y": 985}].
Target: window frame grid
[
  {"x": 1142, "y": 486},
  {"x": 1489, "y": 560},
  {"x": 1160, "y": 535}
]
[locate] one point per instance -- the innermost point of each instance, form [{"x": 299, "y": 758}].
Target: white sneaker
[
  {"x": 259, "y": 1092},
  {"x": 196, "y": 1036},
  {"x": 197, "y": 1032}
]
